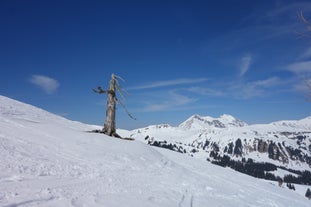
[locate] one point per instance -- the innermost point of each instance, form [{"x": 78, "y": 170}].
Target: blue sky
[{"x": 178, "y": 58}]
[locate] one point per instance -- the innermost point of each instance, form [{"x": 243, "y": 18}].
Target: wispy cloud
[
  {"x": 186, "y": 98},
  {"x": 253, "y": 89},
  {"x": 205, "y": 91},
  {"x": 301, "y": 68},
  {"x": 167, "y": 101},
  {"x": 168, "y": 83},
  {"x": 266, "y": 82},
  {"x": 245, "y": 63},
  {"x": 301, "y": 87},
  {"x": 49, "y": 85},
  {"x": 305, "y": 55},
  {"x": 239, "y": 89}
]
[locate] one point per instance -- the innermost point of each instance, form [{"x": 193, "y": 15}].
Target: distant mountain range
[{"x": 264, "y": 149}]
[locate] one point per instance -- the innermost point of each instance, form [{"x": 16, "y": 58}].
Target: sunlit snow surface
[{"x": 46, "y": 160}]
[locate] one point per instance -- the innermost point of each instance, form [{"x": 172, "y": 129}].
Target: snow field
[{"x": 46, "y": 161}]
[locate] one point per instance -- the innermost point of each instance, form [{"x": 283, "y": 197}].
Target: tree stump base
[
  {"x": 103, "y": 132},
  {"x": 115, "y": 135}
]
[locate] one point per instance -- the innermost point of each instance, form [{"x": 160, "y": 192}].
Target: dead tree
[{"x": 110, "y": 122}]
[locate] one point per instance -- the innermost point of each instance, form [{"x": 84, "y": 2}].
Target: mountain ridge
[
  {"x": 200, "y": 122},
  {"x": 286, "y": 143}
]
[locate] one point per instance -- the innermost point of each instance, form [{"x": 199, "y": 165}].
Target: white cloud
[
  {"x": 302, "y": 70},
  {"x": 168, "y": 83},
  {"x": 303, "y": 67},
  {"x": 167, "y": 101},
  {"x": 305, "y": 55},
  {"x": 49, "y": 85},
  {"x": 253, "y": 89},
  {"x": 205, "y": 91},
  {"x": 245, "y": 63},
  {"x": 266, "y": 83},
  {"x": 303, "y": 86}
]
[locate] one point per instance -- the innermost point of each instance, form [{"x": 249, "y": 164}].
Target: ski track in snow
[
  {"x": 46, "y": 161},
  {"x": 186, "y": 200}
]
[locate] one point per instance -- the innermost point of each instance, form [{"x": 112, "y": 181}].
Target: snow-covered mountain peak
[
  {"x": 197, "y": 122},
  {"x": 302, "y": 124},
  {"x": 227, "y": 117}
]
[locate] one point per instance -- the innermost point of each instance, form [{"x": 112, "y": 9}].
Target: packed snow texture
[{"x": 47, "y": 160}]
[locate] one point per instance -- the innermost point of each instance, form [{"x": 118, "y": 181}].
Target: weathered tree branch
[
  {"x": 99, "y": 90},
  {"x": 123, "y": 106}
]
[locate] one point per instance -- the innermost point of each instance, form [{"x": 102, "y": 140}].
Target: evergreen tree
[
  {"x": 308, "y": 193},
  {"x": 291, "y": 186},
  {"x": 280, "y": 181}
]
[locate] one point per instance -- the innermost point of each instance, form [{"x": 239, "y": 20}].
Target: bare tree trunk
[{"x": 110, "y": 124}]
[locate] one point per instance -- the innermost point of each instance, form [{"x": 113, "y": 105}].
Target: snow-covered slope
[{"x": 46, "y": 160}]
